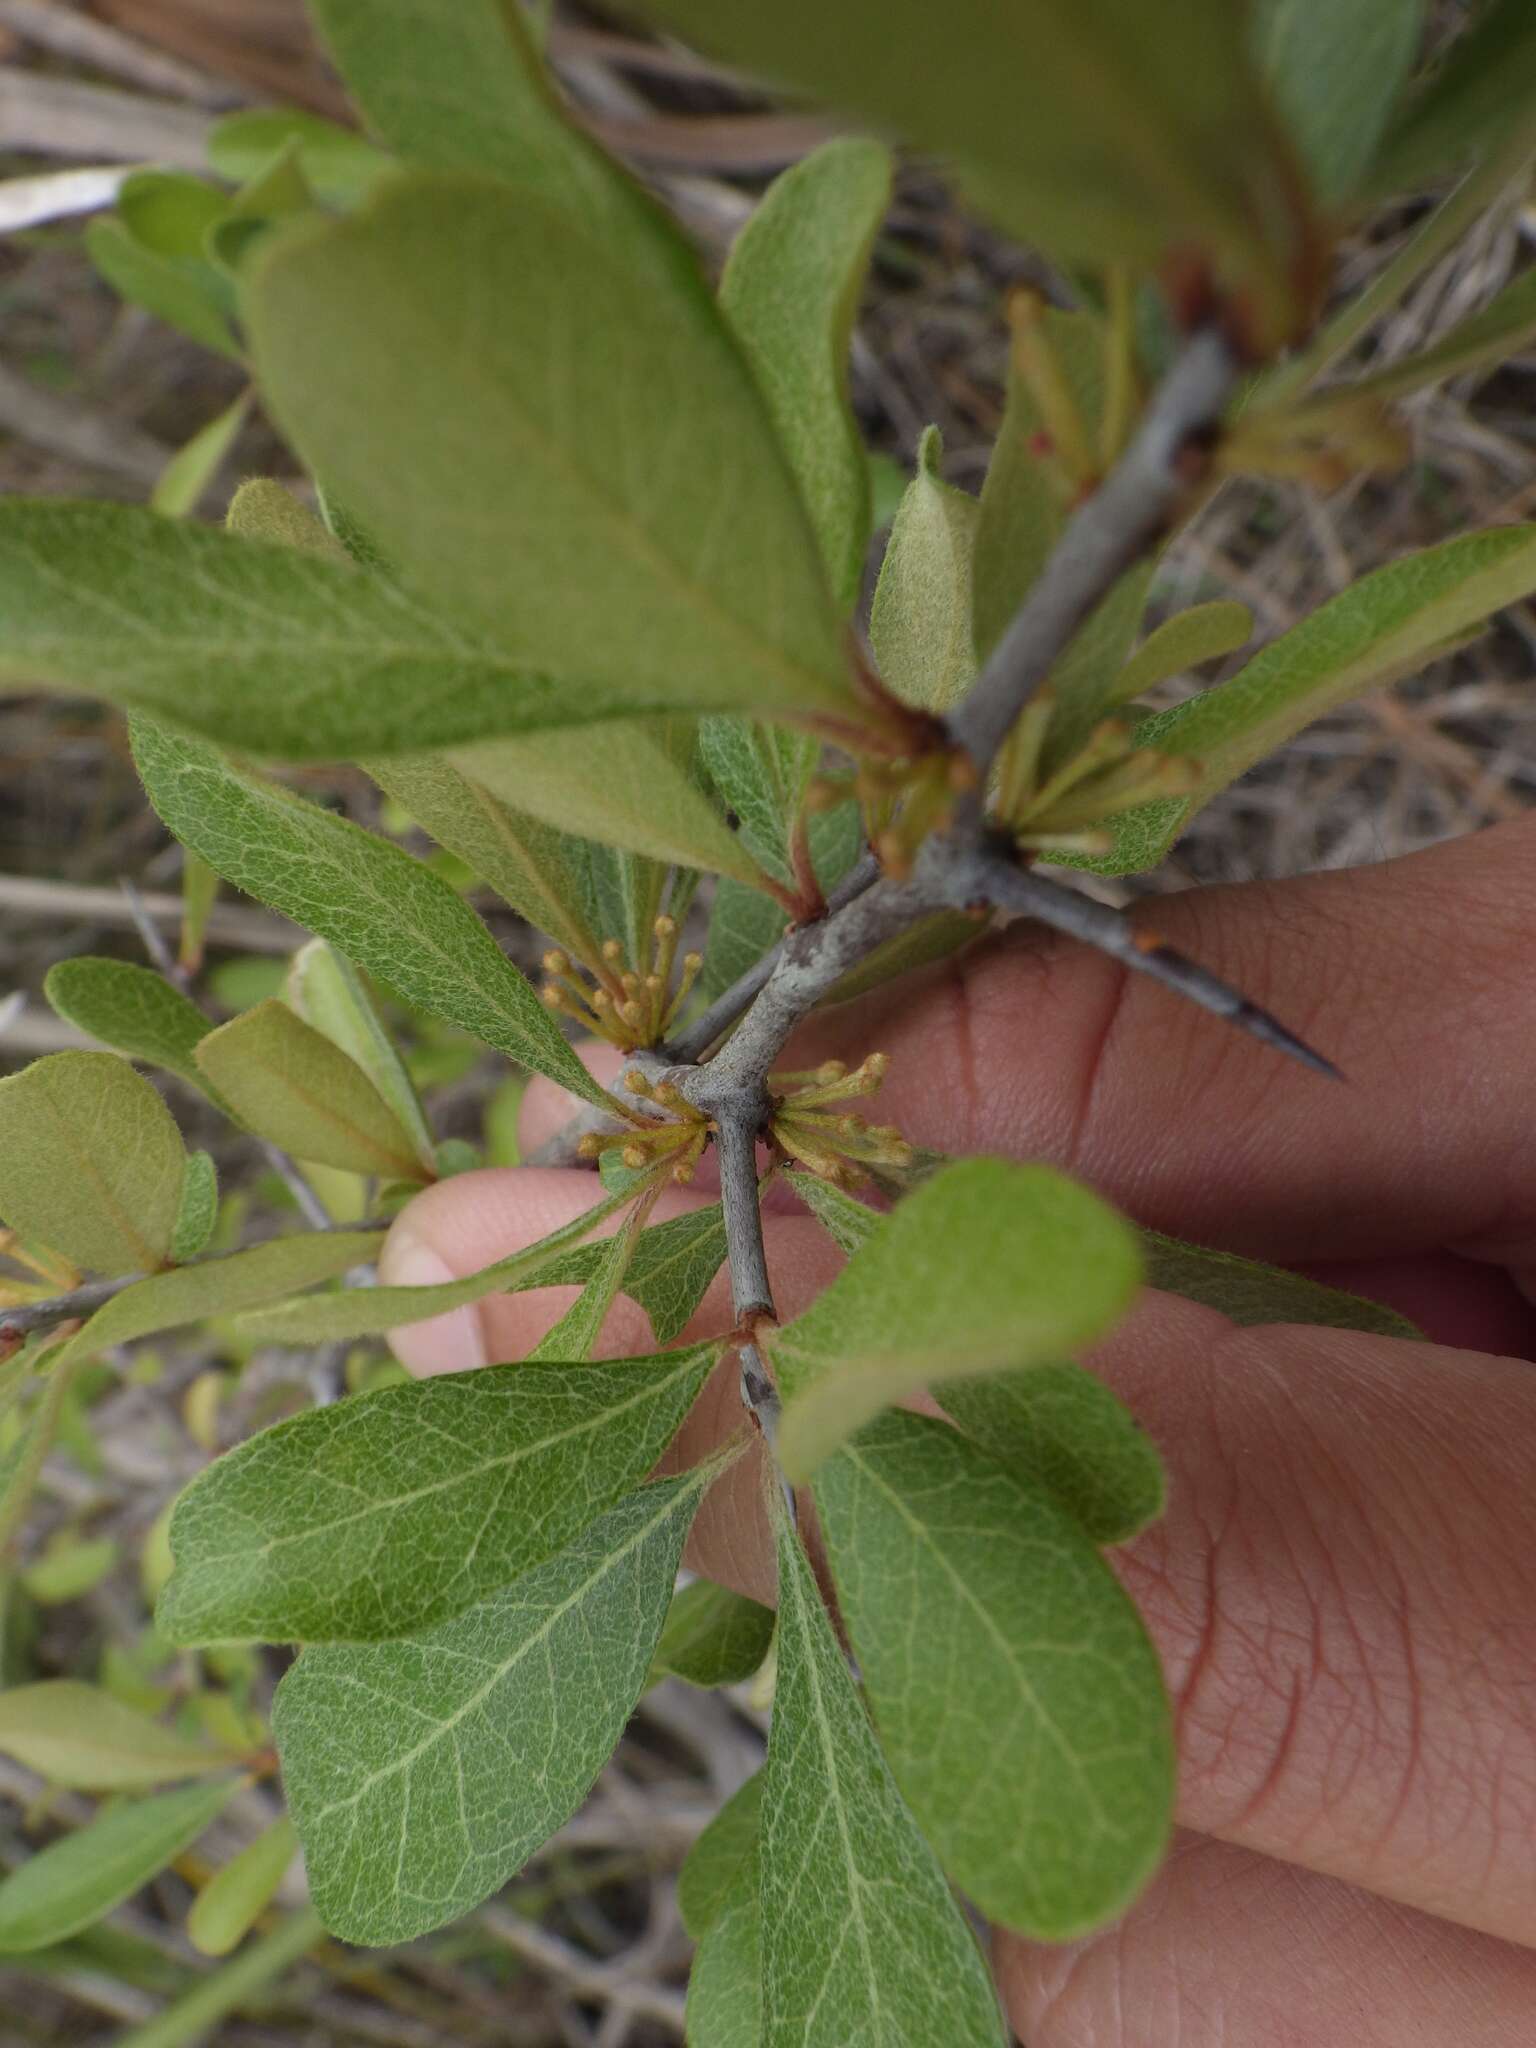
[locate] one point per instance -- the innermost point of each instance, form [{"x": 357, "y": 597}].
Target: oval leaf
[
  {"x": 91, "y": 1161},
  {"x": 423, "y": 1773},
  {"x": 229, "y": 1904},
  {"x": 946, "y": 1563},
  {"x": 397, "y": 1509},
  {"x": 985, "y": 1266},
  {"x": 132, "y": 1008}
]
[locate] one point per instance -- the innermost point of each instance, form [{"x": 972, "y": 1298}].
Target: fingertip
[{"x": 547, "y": 1108}]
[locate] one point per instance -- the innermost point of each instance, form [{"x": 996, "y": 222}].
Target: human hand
[{"x": 1342, "y": 1589}]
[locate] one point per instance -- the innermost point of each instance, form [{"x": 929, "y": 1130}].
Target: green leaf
[
  {"x": 78, "y": 1880},
  {"x": 1203, "y": 633},
  {"x": 264, "y": 510},
  {"x": 91, "y": 1161},
  {"x": 1478, "y": 101},
  {"x": 1103, "y": 132},
  {"x": 1337, "y": 68},
  {"x": 289, "y": 1083},
  {"x": 328, "y": 992},
  {"x": 574, "y": 1337},
  {"x": 187, "y": 294},
  {"x": 1085, "y": 679},
  {"x": 1247, "y": 1291},
  {"x": 275, "y": 651},
  {"x": 465, "y": 90},
  {"x": 649, "y": 464},
  {"x": 529, "y": 864},
  {"x": 920, "y": 626},
  {"x": 74, "y": 1735},
  {"x": 199, "y": 1209},
  {"x": 1503, "y": 328},
  {"x": 68, "y": 1566},
  {"x": 945, "y": 1564},
  {"x": 220, "y": 1286},
  {"x": 718, "y": 1857},
  {"x": 191, "y": 470},
  {"x": 790, "y": 291},
  {"x": 761, "y": 773},
  {"x": 1385, "y": 627},
  {"x": 229, "y": 1904},
  {"x": 725, "y": 1984},
  {"x": 339, "y": 166},
  {"x": 713, "y": 1636},
  {"x": 423, "y": 1773},
  {"x": 132, "y": 1009},
  {"x": 398, "y": 1509},
  {"x": 1059, "y": 1428},
  {"x": 848, "y": 1222},
  {"x": 668, "y": 1275},
  {"x": 743, "y": 924},
  {"x": 629, "y": 782},
  {"x": 364, "y": 1312},
  {"x": 861, "y": 1940},
  {"x": 986, "y": 1266},
  {"x": 385, "y": 911}
]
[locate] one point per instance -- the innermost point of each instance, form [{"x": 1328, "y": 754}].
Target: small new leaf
[
  {"x": 228, "y": 1905},
  {"x": 91, "y": 1162},
  {"x": 199, "y": 1209},
  {"x": 394, "y": 1510},
  {"x": 423, "y": 1773},
  {"x": 947, "y": 1564},
  {"x": 292, "y": 1085},
  {"x": 920, "y": 626}
]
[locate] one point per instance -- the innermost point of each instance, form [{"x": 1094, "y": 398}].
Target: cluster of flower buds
[
  {"x": 902, "y": 801},
  {"x": 676, "y": 1139},
  {"x": 614, "y": 1001},
  {"x": 836, "y": 1144}
]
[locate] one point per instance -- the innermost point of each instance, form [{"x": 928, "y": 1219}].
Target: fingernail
[{"x": 447, "y": 1343}]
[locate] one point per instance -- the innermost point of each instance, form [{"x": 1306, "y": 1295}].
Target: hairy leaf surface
[
  {"x": 198, "y": 1210},
  {"x": 920, "y": 626},
  {"x": 384, "y": 910},
  {"x": 91, "y": 1161},
  {"x": 1203, "y": 633},
  {"x": 395, "y": 1510},
  {"x": 987, "y": 1626},
  {"x": 861, "y": 1940},
  {"x": 1248, "y": 1291},
  {"x": 717, "y": 1858},
  {"x": 668, "y": 1275},
  {"x": 131, "y": 1008},
  {"x": 985, "y": 1266},
  {"x": 423, "y": 1773}
]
